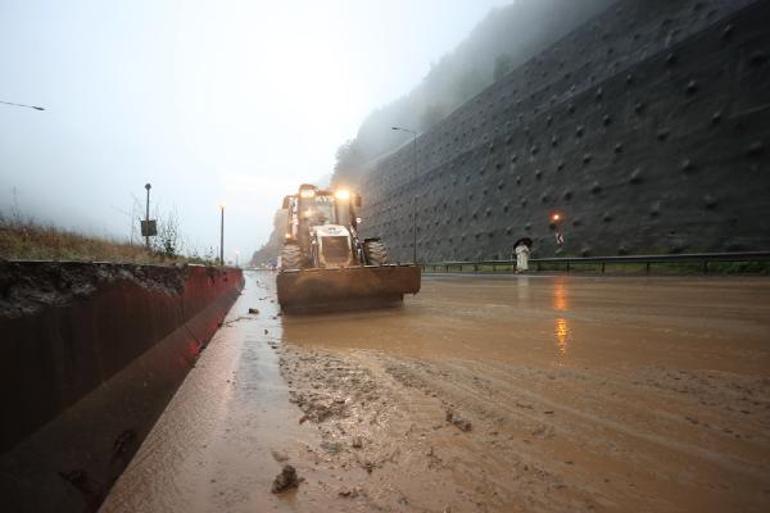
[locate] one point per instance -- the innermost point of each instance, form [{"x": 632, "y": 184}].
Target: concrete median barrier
[{"x": 90, "y": 354}]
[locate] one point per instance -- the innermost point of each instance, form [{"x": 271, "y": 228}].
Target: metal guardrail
[{"x": 569, "y": 262}]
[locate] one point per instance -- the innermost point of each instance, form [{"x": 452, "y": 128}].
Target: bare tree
[{"x": 168, "y": 241}]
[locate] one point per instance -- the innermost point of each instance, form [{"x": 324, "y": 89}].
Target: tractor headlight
[{"x": 342, "y": 194}]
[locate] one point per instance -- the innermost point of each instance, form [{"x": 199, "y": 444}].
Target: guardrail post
[
  {"x": 602, "y": 267},
  {"x": 567, "y": 265},
  {"x": 647, "y": 267},
  {"x": 705, "y": 267},
  {"x": 475, "y": 268}
]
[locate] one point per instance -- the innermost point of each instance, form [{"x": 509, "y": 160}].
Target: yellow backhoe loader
[{"x": 324, "y": 265}]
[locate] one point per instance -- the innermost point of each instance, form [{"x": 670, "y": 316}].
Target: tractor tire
[
  {"x": 376, "y": 253},
  {"x": 291, "y": 257}
]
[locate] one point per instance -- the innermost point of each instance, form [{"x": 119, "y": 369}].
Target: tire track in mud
[
  {"x": 541, "y": 439},
  {"x": 602, "y": 430},
  {"x": 524, "y": 419},
  {"x": 413, "y": 458},
  {"x": 608, "y": 414},
  {"x": 366, "y": 436}
]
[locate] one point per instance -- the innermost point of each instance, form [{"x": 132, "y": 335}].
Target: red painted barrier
[{"x": 90, "y": 354}]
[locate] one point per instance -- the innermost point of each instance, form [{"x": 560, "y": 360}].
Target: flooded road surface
[{"x": 504, "y": 393}]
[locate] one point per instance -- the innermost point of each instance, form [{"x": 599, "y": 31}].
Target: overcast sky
[{"x": 234, "y": 101}]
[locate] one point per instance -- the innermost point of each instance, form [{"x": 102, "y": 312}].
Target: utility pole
[
  {"x": 147, "y": 216},
  {"x": 414, "y": 199},
  {"x": 222, "y": 235}
]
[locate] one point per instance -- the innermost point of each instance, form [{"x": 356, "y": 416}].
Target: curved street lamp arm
[{"x": 22, "y": 105}]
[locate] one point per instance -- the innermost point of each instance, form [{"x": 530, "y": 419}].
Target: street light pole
[
  {"x": 147, "y": 216},
  {"x": 414, "y": 198},
  {"x": 222, "y": 235},
  {"x": 21, "y": 105}
]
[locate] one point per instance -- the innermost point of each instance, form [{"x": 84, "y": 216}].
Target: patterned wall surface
[{"x": 646, "y": 129}]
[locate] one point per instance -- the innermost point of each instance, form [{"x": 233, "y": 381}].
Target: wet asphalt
[{"x": 557, "y": 340}]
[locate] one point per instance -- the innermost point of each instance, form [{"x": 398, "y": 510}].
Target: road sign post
[{"x": 149, "y": 226}]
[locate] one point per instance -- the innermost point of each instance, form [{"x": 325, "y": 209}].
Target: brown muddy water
[{"x": 530, "y": 393}]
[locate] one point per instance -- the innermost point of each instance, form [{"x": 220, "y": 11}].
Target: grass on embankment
[{"x": 28, "y": 240}]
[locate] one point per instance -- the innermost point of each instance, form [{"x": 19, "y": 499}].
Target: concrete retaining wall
[
  {"x": 646, "y": 128},
  {"x": 90, "y": 354}
]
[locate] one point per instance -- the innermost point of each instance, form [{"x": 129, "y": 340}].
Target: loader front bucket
[{"x": 354, "y": 287}]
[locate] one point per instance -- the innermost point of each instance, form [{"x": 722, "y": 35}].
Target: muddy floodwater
[{"x": 498, "y": 394}]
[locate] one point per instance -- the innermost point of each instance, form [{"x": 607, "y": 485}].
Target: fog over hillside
[{"x": 507, "y": 37}]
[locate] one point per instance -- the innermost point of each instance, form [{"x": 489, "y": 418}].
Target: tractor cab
[{"x": 323, "y": 223}]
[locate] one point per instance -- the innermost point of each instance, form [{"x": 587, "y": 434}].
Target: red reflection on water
[{"x": 193, "y": 348}]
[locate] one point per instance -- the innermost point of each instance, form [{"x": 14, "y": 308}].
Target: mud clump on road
[
  {"x": 462, "y": 424},
  {"x": 325, "y": 387},
  {"x": 351, "y": 493},
  {"x": 286, "y": 480}
]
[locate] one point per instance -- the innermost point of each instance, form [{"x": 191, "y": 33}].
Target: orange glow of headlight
[
  {"x": 342, "y": 194},
  {"x": 307, "y": 193}
]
